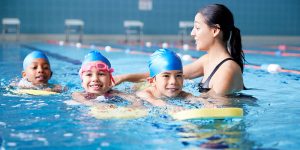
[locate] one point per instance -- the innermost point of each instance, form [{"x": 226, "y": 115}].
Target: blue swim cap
[
  {"x": 163, "y": 60},
  {"x": 95, "y": 56},
  {"x": 33, "y": 55}
]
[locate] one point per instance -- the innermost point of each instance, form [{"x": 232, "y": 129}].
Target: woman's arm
[
  {"x": 138, "y": 77},
  {"x": 195, "y": 69},
  {"x": 129, "y": 97}
]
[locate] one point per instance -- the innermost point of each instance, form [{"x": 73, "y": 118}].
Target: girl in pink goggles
[{"x": 95, "y": 59}]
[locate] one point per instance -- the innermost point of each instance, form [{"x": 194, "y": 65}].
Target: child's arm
[
  {"x": 148, "y": 96},
  {"x": 138, "y": 77},
  {"x": 23, "y": 84},
  {"x": 13, "y": 84},
  {"x": 132, "y": 98},
  {"x": 89, "y": 100},
  {"x": 83, "y": 98},
  {"x": 56, "y": 88}
]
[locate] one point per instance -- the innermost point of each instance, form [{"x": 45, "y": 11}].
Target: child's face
[
  {"x": 38, "y": 72},
  {"x": 169, "y": 83},
  {"x": 96, "y": 81}
]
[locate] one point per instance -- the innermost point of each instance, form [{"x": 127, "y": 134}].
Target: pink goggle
[{"x": 100, "y": 66}]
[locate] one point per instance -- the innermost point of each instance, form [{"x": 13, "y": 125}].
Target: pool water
[{"x": 271, "y": 118}]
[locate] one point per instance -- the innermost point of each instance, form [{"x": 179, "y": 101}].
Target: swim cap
[
  {"x": 33, "y": 55},
  {"x": 163, "y": 60},
  {"x": 95, "y": 56},
  {"x": 92, "y": 60}
]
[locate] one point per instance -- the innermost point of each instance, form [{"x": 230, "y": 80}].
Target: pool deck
[{"x": 247, "y": 40}]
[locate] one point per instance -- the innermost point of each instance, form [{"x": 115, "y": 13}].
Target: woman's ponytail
[{"x": 235, "y": 47}]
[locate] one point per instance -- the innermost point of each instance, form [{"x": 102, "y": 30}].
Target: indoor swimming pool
[{"x": 271, "y": 105}]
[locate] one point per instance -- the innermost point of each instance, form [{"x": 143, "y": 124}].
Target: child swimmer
[
  {"x": 97, "y": 81},
  {"x": 36, "y": 73},
  {"x": 166, "y": 79}
]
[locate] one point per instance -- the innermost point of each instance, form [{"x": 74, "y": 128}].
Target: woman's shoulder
[
  {"x": 231, "y": 67},
  {"x": 230, "y": 75}
]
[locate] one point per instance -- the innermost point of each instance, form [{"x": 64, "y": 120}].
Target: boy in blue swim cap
[
  {"x": 37, "y": 72},
  {"x": 97, "y": 80},
  {"x": 166, "y": 78}
]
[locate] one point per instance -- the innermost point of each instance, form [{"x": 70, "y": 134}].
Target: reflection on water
[
  {"x": 236, "y": 100},
  {"x": 215, "y": 134}
]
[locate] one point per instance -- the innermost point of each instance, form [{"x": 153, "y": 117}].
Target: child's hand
[
  {"x": 48, "y": 89},
  {"x": 58, "y": 88}
]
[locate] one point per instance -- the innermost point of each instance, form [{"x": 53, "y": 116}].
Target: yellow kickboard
[
  {"x": 118, "y": 113},
  {"x": 33, "y": 92},
  {"x": 208, "y": 113}
]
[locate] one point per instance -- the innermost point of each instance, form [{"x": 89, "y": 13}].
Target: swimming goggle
[{"x": 100, "y": 66}]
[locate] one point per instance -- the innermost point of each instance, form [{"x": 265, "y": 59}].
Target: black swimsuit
[{"x": 204, "y": 86}]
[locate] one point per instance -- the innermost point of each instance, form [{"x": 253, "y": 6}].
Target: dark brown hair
[{"x": 218, "y": 14}]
